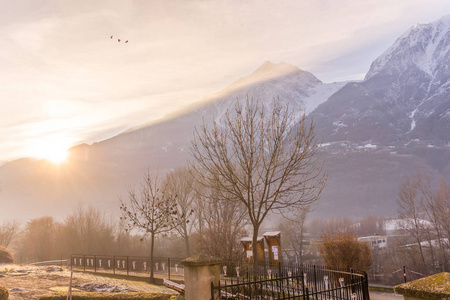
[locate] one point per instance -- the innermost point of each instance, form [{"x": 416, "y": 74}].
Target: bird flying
[
  {"x": 111, "y": 36},
  {"x": 118, "y": 40}
]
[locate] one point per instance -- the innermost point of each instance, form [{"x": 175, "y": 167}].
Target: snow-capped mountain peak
[
  {"x": 421, "y": 46},
  {"x": 269, "y": 71},
  {"x": 283, "y": 81}
]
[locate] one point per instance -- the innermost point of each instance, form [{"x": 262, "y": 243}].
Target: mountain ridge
[
  {"x": 375, "y": 132},
  {"x": 398, "y": 100}
]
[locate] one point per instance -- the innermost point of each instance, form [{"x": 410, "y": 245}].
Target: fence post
[
  {"x": 168, "y": 266},
  {"x": 404, "y": 274},
  {"x": 199, "y": 271},
  {"x": 128, "y": 269},
  {"x": 84, "y": 263},
  {"x": 212, "y": 290},
  {"x": 95, "y": 263},
  {"x": 366, "y": 287},
  {"x": 114, "y": 265},
  {"x": 352, "y": 280},
  {"x": 315, "y": 279},
  {"x": 303, "y": 283}
]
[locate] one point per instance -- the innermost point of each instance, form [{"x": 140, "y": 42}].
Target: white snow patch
[
  {"x": 324, "y": 145},
  {"x": 319, "y": 94},
  {"x": 413, "y": 122},
  {"x": 370, "y": 146},
  {"x": 404, "y": 224},
  {"x": 339, "y": 124}
]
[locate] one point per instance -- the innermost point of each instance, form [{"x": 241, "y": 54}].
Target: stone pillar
[{"x": 199, "y": 271}]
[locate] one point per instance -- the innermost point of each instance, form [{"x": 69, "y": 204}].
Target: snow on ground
[{"x": 30, "y": 282}]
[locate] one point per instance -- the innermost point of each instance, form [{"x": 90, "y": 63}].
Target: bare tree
[
  {"x": 332, "y": 226},
  {"x": 39, "y": 238},
  {"x": 294, "y": 233},
  {"x": 179, "y": 184},
  {"x": 411, "y": 211},
  {"x": 222, "y": 224},
  {"x": 260, "y": 158},
  {"x": 86, "y": 230},
  {"x": 152, "y": 211},
  {"x": 7, "y": 232},
  {"x": 370, "y": 225},
  {"x": 437, "y": 208}
]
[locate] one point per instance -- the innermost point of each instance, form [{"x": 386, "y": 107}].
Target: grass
[
  {"x": 432, "y": 287},
  {"x": 381, "y": 289},
  {"x": 3, "y": 293},
  {"x": 110, "y": 296}
]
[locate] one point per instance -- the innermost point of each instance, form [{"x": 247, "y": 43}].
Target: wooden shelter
[
  {"x": 273, "y": 240},
  {"x": 248, "y": 249}
]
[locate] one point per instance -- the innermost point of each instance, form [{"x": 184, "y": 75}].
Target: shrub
[
  {"x": 110, "y": 296},
  {"x": 6, "y": 256},
  {"x": 3, "y": 293},
  {"x": 344, "y": 251}
]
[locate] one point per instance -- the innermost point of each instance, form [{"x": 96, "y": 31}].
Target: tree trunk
[
  {"x": 255, "y": 249},
  {"x": 152, "y": 273},
  {"x": 188, "y": 247}
]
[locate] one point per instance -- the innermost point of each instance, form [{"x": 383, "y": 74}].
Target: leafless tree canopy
[
  {"x": 152, "y": 210},
  {"x": 179, "y": 186},
  {"x": 220, "y": 225},
  {"x": 7, "y": 232},
  {"x": 294, "y": 232},
  {"x": 425, "y": 212},
  {"x": 261, "y": 158}
]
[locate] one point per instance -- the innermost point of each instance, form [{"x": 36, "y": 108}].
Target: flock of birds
[{"x": 119, "y": 40}]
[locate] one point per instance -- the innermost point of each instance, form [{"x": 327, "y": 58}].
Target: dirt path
[{"x": 30, "y": 282}]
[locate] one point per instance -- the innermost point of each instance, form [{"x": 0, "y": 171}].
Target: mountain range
[{"x": 395, "y": 123}]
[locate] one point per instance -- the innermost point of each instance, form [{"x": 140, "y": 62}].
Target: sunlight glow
[{"x": 52, "y": 149}]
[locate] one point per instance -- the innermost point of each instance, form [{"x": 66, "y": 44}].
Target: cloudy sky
[{"x": 64, "y": 81}]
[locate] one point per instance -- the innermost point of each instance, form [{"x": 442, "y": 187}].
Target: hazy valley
[{"x": 376, "y": 132}]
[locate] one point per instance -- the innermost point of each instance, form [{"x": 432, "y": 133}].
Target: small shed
[
  {"x": 248, "y": 249},
  {"x": 436, "y": 287},
  {"x": 273, "y": 240}
]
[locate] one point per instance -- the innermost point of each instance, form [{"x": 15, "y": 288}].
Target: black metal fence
[
  {"x": 240, "y": 281},
  {"x": 163, "y": 267},
  {"x": 288, "y": 282}
]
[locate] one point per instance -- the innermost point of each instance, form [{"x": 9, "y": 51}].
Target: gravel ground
[{"x": 30, "y": 282}]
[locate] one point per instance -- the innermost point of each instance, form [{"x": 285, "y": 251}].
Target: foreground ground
[{"x": 30, "y": 282}]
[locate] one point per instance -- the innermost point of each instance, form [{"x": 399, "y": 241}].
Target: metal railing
[
  {"x": 290, "y": 282},
  {"x": 163, "y": 267}
]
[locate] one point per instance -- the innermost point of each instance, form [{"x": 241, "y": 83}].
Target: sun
[
  {"x": 57, "y": 156},
  {"x": 53, "y": 149}
]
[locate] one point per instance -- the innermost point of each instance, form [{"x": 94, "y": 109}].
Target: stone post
[{"x": 199, "y": 271}]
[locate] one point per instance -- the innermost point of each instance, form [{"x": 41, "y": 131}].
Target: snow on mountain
[
  {"x": 405, "y": 94},
  {"x": 423, "y": 45},
  {"x": 289, "y": 84}
]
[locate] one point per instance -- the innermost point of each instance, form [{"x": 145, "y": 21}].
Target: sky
[{"x": 65, "y": 81}]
